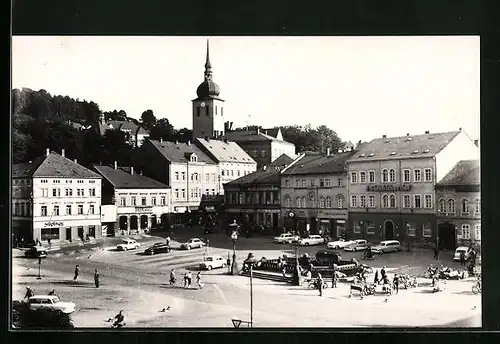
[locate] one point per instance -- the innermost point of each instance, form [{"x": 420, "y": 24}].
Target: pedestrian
[
  {"x": 386, "y": 287},
  {"x": 29, "y": 292},
  {"x": 77, "y": 272},
  {"x": 320, "y": 284},
  {"x": 436, "y": 252},
  {"x": 462, "y": 258},
  {"x": 376, "y": 279},
  {"x": 172, "y": 277},
  {"x": 185, "y": 280},
  {"x": 334, "y": 277},
  {"x": 96, "y": 278},
  {"x": 189, "y": 278},
  {"x": 383, "y": 273},
  {"x": 283, "y": 270},
  {"x": 395, "y": 283},
  {"x": 48, "y": 242},
  {"x": 168, "y": 240},
  {"x": 473, "y": 255},
  {"x": 199, "y": 281}
]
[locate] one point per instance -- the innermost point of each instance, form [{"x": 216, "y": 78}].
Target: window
[
  {"x": 340, "y": 201},
  {"x": 312, "y": 201},
  {"x": 385, "y": 175},
  {"x": 442, "y": 206},
  {"x": 370, "y": 227},
  {"x": 297, "y": 183},
  {"x": 43, "y": 210},
  {"x": 133, "y": 201},
  {"x": 183, "y": 175},
  {"x": 354, "y": 177},
  {"x": 143, "y": 201},
  {"x": 392, "y": 201},
  {"x": 428, "y": 201},
  {"x": 286, "y": 200},
  {"x": 417, "y": 175},
  {"x": 356, "y": 225},
  {"x": 406, "y": 201},
  {"x": 327, "y": 182},
  {"x": 176, "y": 175},
  {"x": 313, "y": 183},
  {"x": 451, "y": 206},
  {"x": 287, "y": 183},
  {"x": 54, "y": 192},
  {"x": 328, "y": 202},
  {"x": 207, "y": 177},
  {"x": 465, "y": 231},
  {"x": 392, "y": 175},
  {"x": 303, "y": 183},
  {"x": 45, "y": 192},
  {"x": 465, "y": 206},
  {"x": 477, "y": 232},
  {"x": 123, "y": 201},
  {"x": 340, "y": 181},
  {"x": 80, "y": 209},
  {"x": 153, "y": 199},
  {"x": 163, "y": 200},
  {"x": 91, "y": 181},
  {"x": 417, "y": 201},
  {"x": 91, "y": 209},
  {"x": 321, "y": 182},
  {"x": 371, "y": 201},
  {"x": 17, "y": 210},
  {"x": 298, "y": 202},
  {"x": 385, "y": 201},
  {"x": 428, "y": 175},
  {"x": 304, "y": 205},
  {"x": 183, "y": 193},
  {"x": 79, "y": 181},
  {"x": 44, "y": 181},
  {"x": 477, "y": 205},
  {"x": 322, "y": 202},
  {"x": 238, "y": 173},
  {"x": 354, "y": 201},
  {"x": 371, "y": 177},
  {"x": 406, "y": 176},
  {"x": 427, "y": 230},
  {"x": 68, "y": 209},
  {"x": 262, "y": 153},
  {"x": 91, "y": 192},
  {"x": 412, "y": 229},
  {"x": 56, "y": 210},
  {"x": 362, "y": 177},
  {"x": 362, "y": 201},
  {"x": 254, "y": 152}
]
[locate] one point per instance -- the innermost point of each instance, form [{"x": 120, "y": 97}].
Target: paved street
[{"x": 138, "y": 284}]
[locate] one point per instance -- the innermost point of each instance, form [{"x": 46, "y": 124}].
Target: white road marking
[{"x": 216, "y": 286}]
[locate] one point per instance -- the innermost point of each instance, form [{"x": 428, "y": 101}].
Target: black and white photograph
[{"x": 245, "y": 182}]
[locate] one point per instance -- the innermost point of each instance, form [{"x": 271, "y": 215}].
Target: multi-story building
[
  {"x": 140, "y": 202},
  {"x": 314, "y": 193},
  {"x": 136, "y": 133},
  {"x": 458, "y": 202},
  {"x": 55, "y": 198},
  {"x": 254, "y": 199},
  {"x": 391, "y": 184},
  {"x": 183, "y": 167},
  {"x": 232, "y": 160}
]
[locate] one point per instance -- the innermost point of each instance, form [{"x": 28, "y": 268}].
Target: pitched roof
[
  {"x": 121, "y": 179},
  {"x": 320, "y": 164},
  {"x": 270, "y": 175},
  {"x": 272, "y": 132},
  {"x": 248, "y": 135},
  {"x": 465, "y": 172},
  {"x": 427, "y": 145},
  {"x": 55, "y": 166},
  {"x": 225, "y": 151},
  {"x": 282, "y": 160},
  {"x": 176, "y": 152},
  {"x": 128, "y": 126}
]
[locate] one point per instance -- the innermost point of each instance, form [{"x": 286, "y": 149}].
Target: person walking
[
  {"x": 199, "y": 281},
  {"x": 189, "y": 278},
  {"x": 172, "y": 277},
  {"x": 29, "y": 292},
  {"x": 462, "y": 258},
  {"x": 49, "y": 242},
  {"x": 334, "y": 277},
  {"x": 473, "y": 255},
  {"x": 320, "y": 284},
  {"x": 383, "y": 273},
  {"x": 395, "y": 283},
  {"x": 376, "y": 279},
  {"x": 168, "y": 240},
  {"x": 96, "y": 278},
  {"x": 77, "y": 272}
]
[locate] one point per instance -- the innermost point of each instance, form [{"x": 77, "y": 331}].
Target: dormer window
[
  {"x": 415, "y": 151},
  {"x": 426, "y": 151},
  {"x": 363, "y": 155},
  {"x": 393, "y": 153},
  {"x": 194, "y": 158},
  {"x": 371, "y": 154}
]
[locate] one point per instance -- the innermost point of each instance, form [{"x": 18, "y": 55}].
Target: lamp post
[
  {"x": 251, "y": 261},
  {"x": 39, "y": 267},
  {"x": 234, "y": 237}
]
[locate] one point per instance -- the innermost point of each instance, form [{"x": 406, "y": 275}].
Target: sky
[{"x": 361, "y": 87}]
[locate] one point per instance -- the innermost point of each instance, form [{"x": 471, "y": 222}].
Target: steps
[{"x": 267, "y": 276}]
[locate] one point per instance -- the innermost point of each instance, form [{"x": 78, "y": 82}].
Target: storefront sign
[
  {"x": 180, "y": 209},
  {"x": 143, "y": 209},
  {"x": 406, "y": 187},
  {"x": 210, "y": 208},
  {"x": 331, "y": 213},
  {"x": 53, "y": 224}
]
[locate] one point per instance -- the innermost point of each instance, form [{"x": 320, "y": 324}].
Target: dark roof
[
  {"x": 465, "y": 172},
  {"x": 320, "y": 164},
  {"x": 271, "y": 132},
  {"x": 269, "y": 175},
  {"x": 128, "y": 126},
  {"x": 282, "y": 160},
  {"x": 55, "y": 166},
  {"x": 121, "y": 179},
  {"x": 248, "y": 135},
  {"x": 176, "y": 152},
  {"x": 228, "y": 151},
  {"x": 427, "y": 145}
]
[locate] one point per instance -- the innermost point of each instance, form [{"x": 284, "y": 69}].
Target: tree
[
  {"x": 163, "y": 130},
  {"x": 148, "y": 119},
  {"x": 183, "y": 135}
]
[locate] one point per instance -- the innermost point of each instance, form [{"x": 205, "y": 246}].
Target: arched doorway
[
  {"x": 123, "y": 223},
  {"x": 447, "y": 237},
  {"x": 153, "y": 221},
  {"x": 388, "y": 230},
  {"x": 133, "y": 223},
  {"x": 164, "y": 221},
  {"x": 144, "y": 221}
]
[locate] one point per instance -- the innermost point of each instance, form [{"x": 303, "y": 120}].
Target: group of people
[
  {"x": 188, "y": 277},
  {"x": 96, "y": 276}
]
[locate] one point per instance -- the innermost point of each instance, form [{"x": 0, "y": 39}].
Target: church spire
[{"x": 208, "y": 65}]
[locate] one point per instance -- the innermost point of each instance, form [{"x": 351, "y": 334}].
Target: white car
[
  {"x": 286, "y": 238},
  {"x": 311, "y": 240},
  {"x": 192, "y": 243},
  {"x": 358, "y": 245},
  {"x": 466, "y": 250},
  {"x": 128, "y": 244},
  {"x": 37, "y": 302},
  {"x": 387, "y": 246},
  {"x": 213, "y": 262},
  {"x": 338, "y": 244}
]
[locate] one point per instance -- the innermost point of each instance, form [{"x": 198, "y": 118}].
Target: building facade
[
  {"x": 136, "y": 134},
  {"x": 391, "y": 184},
  {"x": 314, "y": 194},
  {"x": 55, "y": 198},
  {"x": 458, "y": 203}
]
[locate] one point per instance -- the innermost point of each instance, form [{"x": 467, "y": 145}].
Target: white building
[
  {"x": 137, "y": 202},
  {"x": 55, "y": 198}
]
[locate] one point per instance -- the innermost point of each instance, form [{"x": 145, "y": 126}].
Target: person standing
[
  {"x": 172, "y": 277},
  {"x": 395, "y": 283},
  {"x": 189, "y": 278},
  {"x": 77, "y": 273},
  {"x": 50, "y": 244},
  {"x": 334, "y": 276},
  {"x": 168, "y": 240},
  {"x": 473, "y": 255},
  {"x": 382, "y": 273},
  {"x": 462, "y": 258},
  {"x": 320, "y": 284},
  {"x": 96, "y": 278},
  {"x": 376, "y": 279},
  {"x": 199, "y": 281},
  {"x": 436, "y": 252}
]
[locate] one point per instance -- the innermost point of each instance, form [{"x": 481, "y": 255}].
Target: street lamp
[
  {"x": 234, "y": 237},
  {"x": 250, "y": 261}
]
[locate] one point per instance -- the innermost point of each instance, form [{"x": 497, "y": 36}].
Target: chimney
[
  {"x": 161, "y": 139},
  {"x": 384, "y": 136},
  {"x": 328, "y": 151},
  {"x": 476, "y": 142},
  {"x": 116, "y": 165},
  {"x": 231, "y": 125},
  {"x": 189, "y": 143},
  {"x": 47, "y": 152},
  {"x": 76, "y": 161},
  {"x": 62, "y": 152},
  {"x": 427, "y": 132},
  {"x": 460, "y": 128},
  {"x": 265, "y": 132},
  {"x": 258, "y": 131},
  {"x": 407, "y": 134},
  {"x": 264, "y": 168},
  {"x": 132, "y": 170}
]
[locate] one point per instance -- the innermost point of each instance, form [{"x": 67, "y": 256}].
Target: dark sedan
[
  {"x": 36, "y": 252},
  {"x": 158, "y": 248}
]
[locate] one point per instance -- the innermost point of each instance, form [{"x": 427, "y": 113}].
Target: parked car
[
  {"x": 37, "y": 302},
  {"x": 36, "y": 252},
  {"x": 192, "y": 243},
  {"x": 340, "y": 243},
  {"x": 358, "y": 245},
  {"x": 286, "y": 238},
  {"x": 312, "y": 240},
  {"x": 459, "y": 250},
  {"x": 128, "y": 244},
  {"x": 387, "y": 246},
  {"x": 213, "y": 262},
  {"x": 159, "y": 247}
]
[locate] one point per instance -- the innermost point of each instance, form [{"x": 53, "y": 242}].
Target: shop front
[
  {"x": 327, "y": 222},
  {"x": 68, "y": 230}
]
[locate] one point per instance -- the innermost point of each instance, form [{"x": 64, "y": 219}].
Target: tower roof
[{"x": 208, "y": 88}]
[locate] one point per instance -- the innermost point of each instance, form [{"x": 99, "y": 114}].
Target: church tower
[{"x": 208, "y": 108}]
